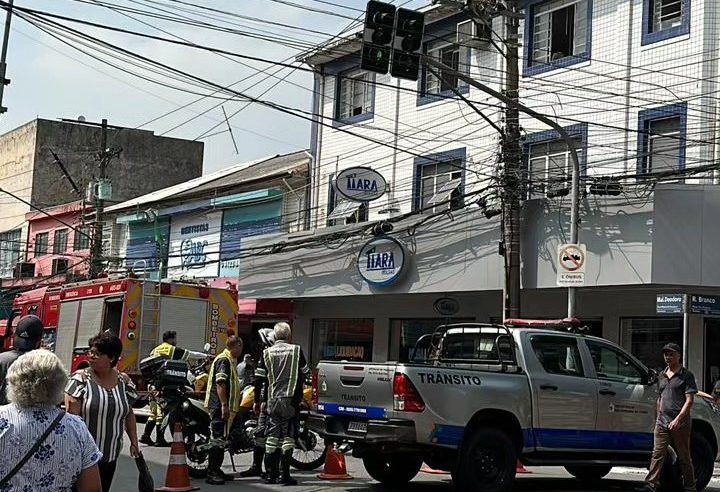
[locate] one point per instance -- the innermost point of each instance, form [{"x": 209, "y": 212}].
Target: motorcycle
[{"x": 177, "y": 388}]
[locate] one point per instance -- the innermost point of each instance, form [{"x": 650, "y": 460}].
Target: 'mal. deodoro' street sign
[
  {"x": 360, "y": 184},
  {"x": 678, "y": 303},
  {"x": 670, "y": 303},
  {"x": 381, "y": 261}
]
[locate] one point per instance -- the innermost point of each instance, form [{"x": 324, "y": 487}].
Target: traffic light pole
[{"x": 520, "y": 108}]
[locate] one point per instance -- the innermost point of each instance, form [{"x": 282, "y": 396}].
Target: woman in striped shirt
[{"x": 103, "y": 397}]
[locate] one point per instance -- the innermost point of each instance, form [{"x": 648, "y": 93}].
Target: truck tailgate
[{"x": 358, "y": 390}]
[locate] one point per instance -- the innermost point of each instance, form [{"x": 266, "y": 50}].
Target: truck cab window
[
  {"x": 558, "y": 355},
  {"x": 113, "y": 315},
  {"x": 612, "y": 365}
]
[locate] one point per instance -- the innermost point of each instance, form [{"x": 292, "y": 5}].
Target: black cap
[
  {"x": 674, "y": 347},
  {"x": 28, "y": 333}
]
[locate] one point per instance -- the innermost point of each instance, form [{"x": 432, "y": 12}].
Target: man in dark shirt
[
  {"x": 677, "y": 390},
  {"x": 28, "y": 336}
]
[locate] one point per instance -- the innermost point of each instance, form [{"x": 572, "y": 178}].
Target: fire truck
[{"x": 136, "y": 310}]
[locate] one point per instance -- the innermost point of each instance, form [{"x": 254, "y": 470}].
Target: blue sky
[{"x": 51, "y": 80}]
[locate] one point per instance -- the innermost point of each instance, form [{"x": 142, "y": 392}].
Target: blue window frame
[
  {"x": 661, "y": 139},
  {"x": 664, "y": 19},
  {"x": 354, "y": 97},
  {"x": 548, "y": 163},
  {"x": 558, "y": 34},
  {"x": 432, "y": 172}
]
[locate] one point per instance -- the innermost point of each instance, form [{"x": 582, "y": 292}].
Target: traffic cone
[
  {"x": 334, "y": 468},
  {"x": 520, "y": 468},
  {"x": 177, "y": 478}
]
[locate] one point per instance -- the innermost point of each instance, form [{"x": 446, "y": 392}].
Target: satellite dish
[{"x": 81, "y": 119}]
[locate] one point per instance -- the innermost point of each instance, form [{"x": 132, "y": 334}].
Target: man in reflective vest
[
  {"x": 284, "y": 366},
  {"x": 222, "y": 400},
  {"x": 168, "y": 350}
]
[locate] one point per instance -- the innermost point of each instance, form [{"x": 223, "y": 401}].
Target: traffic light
[
  {"x": 378, "y": 36},
  {"x": 407, "y": 44}
]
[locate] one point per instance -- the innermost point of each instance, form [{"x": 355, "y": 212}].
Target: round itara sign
[
  {"x": 360, "y": 184},
  {"x": 381, "y": 261}
]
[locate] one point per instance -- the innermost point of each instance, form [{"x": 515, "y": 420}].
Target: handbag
[
  {"x": 41, "y": 439},
  {"x": 145, "y": 480}
]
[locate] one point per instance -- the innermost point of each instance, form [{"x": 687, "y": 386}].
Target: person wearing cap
[
  {"x": 677, "y": 388},
  {"x": 28, "y": 336}
]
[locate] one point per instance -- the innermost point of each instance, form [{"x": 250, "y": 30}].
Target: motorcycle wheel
[
  {"x": 310, "y": 451},
  {"x": 197, "y": 460}
]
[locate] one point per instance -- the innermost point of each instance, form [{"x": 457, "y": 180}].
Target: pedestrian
[
  {"x": 222, "y": 399},
  {"x": 246, "y": 371},
  {"x": 285, "y": 368},
  {"x": 103, "y": 397},
  {"x": 677, "y": 390},
  {"x": 28, "y": 336},
  {"x": 168, "y": 350},
  {"x": 67, "y": 457}
]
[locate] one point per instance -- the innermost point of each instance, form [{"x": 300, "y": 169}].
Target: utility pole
[
  {"x": 96, "y": 262},
  {"x": 3, "y": 55}
]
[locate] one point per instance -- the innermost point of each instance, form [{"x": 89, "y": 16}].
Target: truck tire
[
  {"x": 703, "y": 462},
  {"x": 392, "y": 470},
  {"x": 486, "y": 462},
  {"x": 588, "y": 473}
]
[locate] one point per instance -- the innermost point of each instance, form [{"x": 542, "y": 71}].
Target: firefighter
[
  {"x": 284, "y": 367},
  {"x": 222, "y": 401},
  {"x": 168, "y": 350}
]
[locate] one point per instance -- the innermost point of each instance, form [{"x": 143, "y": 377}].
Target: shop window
[
  {"x": 406, "y": 332},
  {"x": 558, "y": 355},
  {"x": 645, "y": 338},
  {"x": 342, "y": 339}
]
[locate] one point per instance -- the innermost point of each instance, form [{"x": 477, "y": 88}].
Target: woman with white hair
[{"x": 42, "y": 447}]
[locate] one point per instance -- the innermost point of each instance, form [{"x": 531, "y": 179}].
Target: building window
[
  {"x": 60, "y": 241},
  {"x": 355, "y": 97},
  {"x": 661, "y": 139},
  {"x": 82, "y": 238},
  {"x": 439, "y": 181},
  {"x": 558, "y": 33},
  {"x": 645, "y": 338},
  {"x": 10, "y": 247},
  {"x": 436, "y": 84},
  {"x": 665, "y": 19},
  {"x": 41, "y": 243},
  {"x": 341, "y": 211},
  {"x": 342, "y": 339},
  {"x": 549, "y": 162}
]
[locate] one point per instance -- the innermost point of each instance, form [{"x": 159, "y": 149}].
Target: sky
[{"x": 51, "y": 80}]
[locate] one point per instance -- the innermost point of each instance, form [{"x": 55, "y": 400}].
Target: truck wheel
[
  {"x": 588, "y": 473},
  {"x": 486, "y": 462},
  {"x": 703, "y": 463},
  {"x": 392, "y": 470}
]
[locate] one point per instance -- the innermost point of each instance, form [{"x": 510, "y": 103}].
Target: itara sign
[
  {"x": 381, "y": 261},
  {"x": 571, "y": 260},
  {"x": 360, "y": 184}
]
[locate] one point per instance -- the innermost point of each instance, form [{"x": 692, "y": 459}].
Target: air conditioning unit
[
  {"x": 24, "y": 270},
  {"x": 471, "y": 33},
  {"x": 60, "y": 266}
]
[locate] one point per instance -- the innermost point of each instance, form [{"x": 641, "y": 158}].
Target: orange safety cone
[
  {"x": 177, "y": 478},
  {"x": 334, "y": 468},
  {"x": 520, "y": 468}
]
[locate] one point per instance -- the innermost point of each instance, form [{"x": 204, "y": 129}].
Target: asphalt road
[{"x": 543, "y": 479}]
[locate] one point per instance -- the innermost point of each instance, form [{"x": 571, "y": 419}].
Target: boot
[
  {"x": 147, "y": 433},
  {"x": 286, "y": 478},
  {"x": 272, "y": 463},
  {"x": 160, "y": 441},
  {"x": 215, "y": 475},
  {"x": 255, "y": 469}
]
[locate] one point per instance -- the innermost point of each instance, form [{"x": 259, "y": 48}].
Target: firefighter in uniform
[
  {"x": 284, "y": 367},
  {"x": 222, "y": 400},
  {"x": 168, "y": 350},
  {"x": 267, "y": 338}
]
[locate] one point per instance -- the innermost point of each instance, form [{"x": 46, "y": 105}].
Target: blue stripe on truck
[
  {"x": 588, "y": 439},
  {"x": 351, "y": 410}
]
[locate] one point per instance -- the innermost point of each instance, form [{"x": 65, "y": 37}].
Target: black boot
[
  {"x": 286, "y": 478},
  {"x": 255, "y": 469},
  {"x": 272, "y": 464},
  {"x": 215, "y": 475},
  {"x": 147, "y": 433},
  {"x": 160, "y": 441}
]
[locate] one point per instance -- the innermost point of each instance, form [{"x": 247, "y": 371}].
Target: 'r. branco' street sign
[{"x": 571, "y": 259}]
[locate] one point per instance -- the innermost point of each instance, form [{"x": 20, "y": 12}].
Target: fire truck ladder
[{"x": 149, "y": 335}]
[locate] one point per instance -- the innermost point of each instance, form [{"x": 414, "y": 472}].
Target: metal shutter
[
  {"x": 67, "y": 324},
  {"x": 90, "y": 321},
  {"x": 188, "y": 317}
]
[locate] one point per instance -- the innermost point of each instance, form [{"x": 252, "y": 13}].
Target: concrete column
[{"x": 381, "y": 340}]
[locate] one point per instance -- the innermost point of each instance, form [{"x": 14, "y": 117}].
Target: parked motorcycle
[{"x": 174, "y": 382}]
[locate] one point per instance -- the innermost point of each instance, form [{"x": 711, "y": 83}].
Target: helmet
[{"x": 267, "y": 336}]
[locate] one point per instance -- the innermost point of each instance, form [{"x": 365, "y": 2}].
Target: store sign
[
  {"x": 446, "y": 306},
  {"x": 360, "y": 184},
  {"x": 670, "y": 303},
  {"x": 194, "y": 245},
  {"x": 705, "y": 304},
  {"x": 381, "y": 261}
]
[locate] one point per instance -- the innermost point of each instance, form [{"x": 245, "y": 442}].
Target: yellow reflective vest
[{"x": 233, "y": 381}]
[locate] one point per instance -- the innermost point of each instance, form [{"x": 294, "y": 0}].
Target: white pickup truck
[{"x": 489, "y": 395}]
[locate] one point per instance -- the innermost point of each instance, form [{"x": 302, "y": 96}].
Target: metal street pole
[
  {"x": 96, "y": 262},
  {"x": 3, "y": 55},
  {"x": 575, "y": 187}
]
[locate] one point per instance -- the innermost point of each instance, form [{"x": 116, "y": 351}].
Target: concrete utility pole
[
  {"x": 96, "y": 261},
  {"x": 3, "y": 55}
]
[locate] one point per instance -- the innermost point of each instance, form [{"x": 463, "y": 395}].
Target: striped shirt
[{"x": 103, "y": 410}]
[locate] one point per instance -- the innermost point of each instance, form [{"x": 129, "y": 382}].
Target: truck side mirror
[{"x": 652, "y": 377}]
